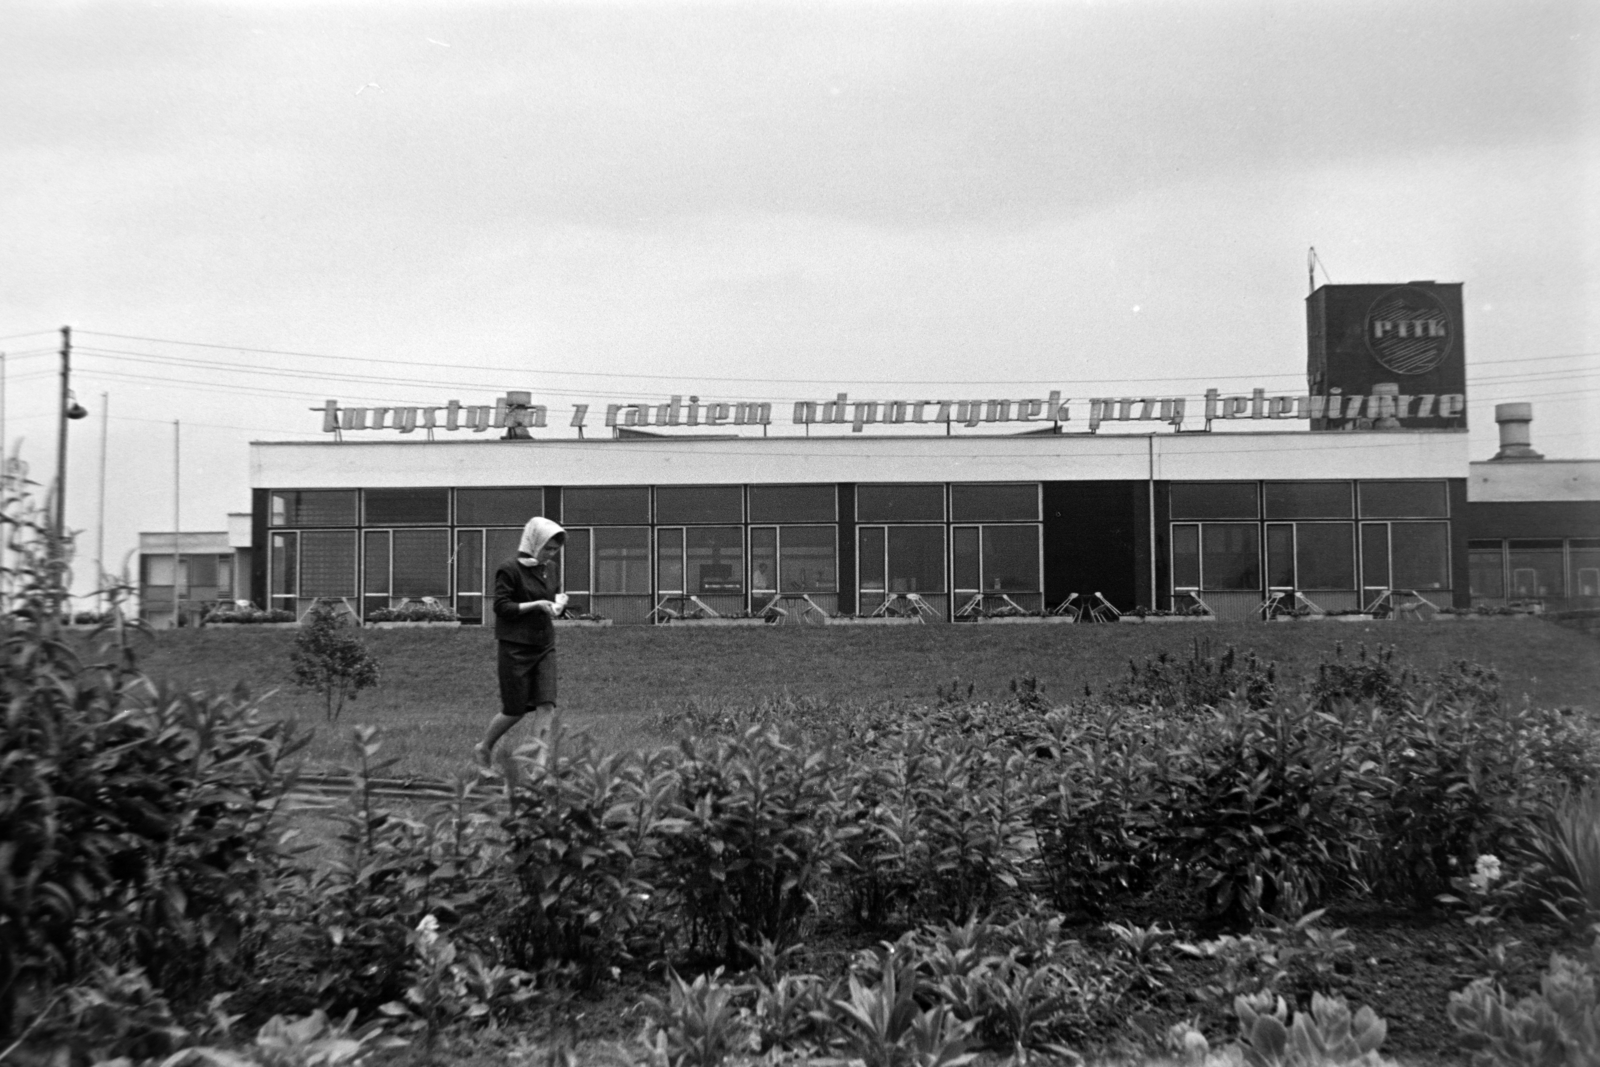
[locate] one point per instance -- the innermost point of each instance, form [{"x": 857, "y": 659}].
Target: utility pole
[
  {"x": 58, "y": 547},
  {"x": 100, "y": 539},
  {"x": 177, "y": 549}
]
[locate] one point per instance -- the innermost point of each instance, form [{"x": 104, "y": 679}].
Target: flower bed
[
  {"x": 875, "y": 620},
  {"x": 412, "y": 615},
  {"x": 263, "y": 618},
  {"x": 404, "y": 624},
  {"x": 1155, "y": 617}
]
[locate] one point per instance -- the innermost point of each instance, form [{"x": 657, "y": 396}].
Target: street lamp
[{"x": 70, "y": 409}]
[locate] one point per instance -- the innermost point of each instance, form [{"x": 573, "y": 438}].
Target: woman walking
[{"x": 527, "y": 599}]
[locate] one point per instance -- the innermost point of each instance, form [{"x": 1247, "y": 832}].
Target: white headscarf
[{"x": 535, "y": 535}]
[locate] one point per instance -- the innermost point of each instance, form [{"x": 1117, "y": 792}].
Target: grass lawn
[{"x": 438, "y": 686}]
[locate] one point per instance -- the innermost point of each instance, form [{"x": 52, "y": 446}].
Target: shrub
[
  {"x": 134, "y": 821},
  {"x": 424, "y": 612},
  {"x": 328, "y": 659},
  {"x": 1267, "y": 809},
  {"x": 579, "y": 840},
  {"x": 346, "y": 920},
  {"x": 1566, "y": 845},
  {"x": 1326, "y": 1036},
  {"x": 246, "y": 612},
  {"x": 748, "y": 837},
  {"x": 1202, "y": 680},
  {"x": 1558, "y": 1025}
]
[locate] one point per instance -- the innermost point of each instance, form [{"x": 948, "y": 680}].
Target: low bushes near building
[
  {"x": 245, "y": 614},
  {"x": 415, "y": 612}
]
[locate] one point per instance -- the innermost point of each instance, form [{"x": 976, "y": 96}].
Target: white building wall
[
  {"x": 688, "y": 461},
  {"x": 1526, "y": 481}
]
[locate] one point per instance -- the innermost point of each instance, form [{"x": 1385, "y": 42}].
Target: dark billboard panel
[{"x": 1394, "y": 356}]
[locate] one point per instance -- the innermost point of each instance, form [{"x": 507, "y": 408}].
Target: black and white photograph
[{"x": 899, "y": 533}]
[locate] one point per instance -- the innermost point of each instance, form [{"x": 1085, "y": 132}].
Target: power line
[{"x": 29, "y": 333}]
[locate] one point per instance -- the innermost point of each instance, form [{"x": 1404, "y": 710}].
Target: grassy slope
[{"x": 438, "y": 687}]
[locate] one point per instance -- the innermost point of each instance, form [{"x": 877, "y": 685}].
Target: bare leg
[
  {"x": 484, "y": 752},
  {"x": 544, "y": 717}
]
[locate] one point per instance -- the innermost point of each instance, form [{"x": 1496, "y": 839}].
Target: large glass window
[
  {"x": 900, "y": 503},
  {"x": 793, "y": 503},
  {"x": 1186, "y": 556},
  {"x": 669, "y": 560},
  {"x": 714, "y": 557},
  {"x": 1404, "y": 500},
  {"x": 622, "y": 560},
  {"x": 421, "y": 563},
  {"x": 1307, "y": 500},
  {"x": 606, "y": 507},
  {"x": 902, "y": 559},
  {"x": 203, "y": 570},
  {"x": 1420, "y": 555},
  {"x": 501, "y": 545},
  {"x": 1230, "y": 556},
  {"x": 1486, "y": 569},
  {"x": 808, "y": 559},
  {"x": 699, "y": 503},
  {"x": 1536, "y": 568},
  {"x": 1280, "y": 555},
  {"x": 375, "y": 570},
  {"x": 498, "y": 507},
  {"x": 328, "y": 563},
  {"x": 1375, "y": 555},
  {"x": 1011, "y": 559},
  {"x": 469, "y": 574},
  {"x": 997, "y": 502},
  {"x": 407, "y": 507},
  {"x": 1325, "y": 556},
  {"x": 575, "y": 562},
  {"x": 285, "y": 572},
  {"x": 1214, "y": 500},
  {"x": 1585, "y": 558},
  {"x": 314, "y": 507}
]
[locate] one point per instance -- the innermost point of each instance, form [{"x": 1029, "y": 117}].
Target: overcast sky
[{"x": 603, "y": 202}]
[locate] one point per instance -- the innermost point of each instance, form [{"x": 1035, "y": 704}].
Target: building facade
[{"x": 851, "y": 523}]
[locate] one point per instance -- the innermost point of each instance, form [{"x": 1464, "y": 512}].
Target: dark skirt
[{"x": 527, "y": 677}]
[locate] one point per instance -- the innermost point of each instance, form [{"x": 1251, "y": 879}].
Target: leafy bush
[
  {"x": 346, "y": 920},
  {"x": 135, "y": 821},
  {"x": 415, "y": 612},
  {"x": 747, "y": 838},
  {"x": 328, "y": 659},
  {"x": 1558, "y": 1025},
  {"x": 578, "y": 842},
  {"x": 245, "y": 612},
  {"x": 1202, "y": 680},
  {"x": 1566, "y": 845},
  {"x": 1267, "y": 810},
  {"x": 1326, "y": 1036}
]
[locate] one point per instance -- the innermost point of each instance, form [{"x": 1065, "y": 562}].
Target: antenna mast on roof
[{"x": 1313, "y": 261}]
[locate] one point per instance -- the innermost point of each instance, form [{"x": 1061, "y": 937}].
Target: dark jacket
[{"x": 513, "y": 585}]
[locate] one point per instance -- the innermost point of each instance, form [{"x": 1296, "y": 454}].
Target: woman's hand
[{"x": 537, "y": 605}]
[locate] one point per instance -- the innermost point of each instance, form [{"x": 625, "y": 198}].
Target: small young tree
[{"x": 328, "y": 659}]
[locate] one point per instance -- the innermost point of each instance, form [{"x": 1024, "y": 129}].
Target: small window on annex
[
  {"x": 1215, "y": 500},
  {"x": 1404, "y": 500},
  {"x": 1486, "y": 569},
  {"x": 793, "y": 503},
  {"x": 314, "y": 507},
  {"x": 407, "y": 507},
  {"x": 1584, "y": 556},
  {"x": 1308, "y": 500},
  {"x": 620, "y": 506},
  {"x": 1536, "y": 568},
  {"x": 683, "y": 504},
  {"x": 498, "y": 507},
  {"x": 996, "y": 502},
  {"x": 900, "y": 503}
]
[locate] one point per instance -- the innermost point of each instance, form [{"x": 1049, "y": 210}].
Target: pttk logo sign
[{"x": 1408, "y": 330}]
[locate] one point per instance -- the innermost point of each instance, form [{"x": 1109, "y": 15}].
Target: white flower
[
  {"x": 1486, "y": 874},
  {"x": 428, "y": 928}
]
